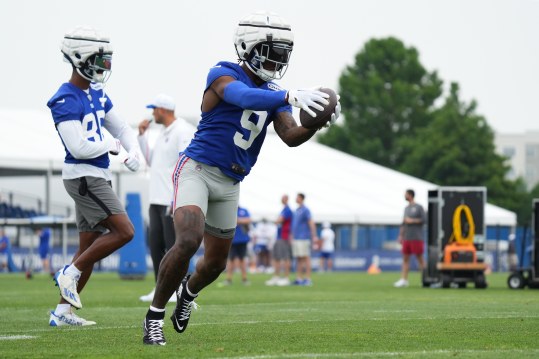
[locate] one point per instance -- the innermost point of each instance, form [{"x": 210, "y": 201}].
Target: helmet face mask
[
  {"x": 264, "y": 41},
  {"x": 89, "y": 53},
  {"x": 269, "y": 59},
  {"x": 97, "y": 68}
]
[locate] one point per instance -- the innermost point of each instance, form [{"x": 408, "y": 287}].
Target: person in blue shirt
[
  {"x": 240, "y": 101},
  {"x": 90, "y": 129},
  {"x": 282, "y": 250},
  {"x": 4, "y": 251},
  {"x": 238, "y": 249},
  {"x": 303, "y": 237},
  {"x": 44, "y": 235}
]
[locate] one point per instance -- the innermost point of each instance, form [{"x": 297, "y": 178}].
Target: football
[{"x": 322, "y": 117}]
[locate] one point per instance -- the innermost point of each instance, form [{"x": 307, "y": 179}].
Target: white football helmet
[
  {"x": 89, "y": 52},
  {"x": 264, "y": 40}
]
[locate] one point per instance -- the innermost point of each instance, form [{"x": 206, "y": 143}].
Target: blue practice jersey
[
  {"x": 71, "y": 103},
  {"x": 300, "y": 223},
  {"x": 230, "y": 137},
  {"x": 242, "y": 231}
]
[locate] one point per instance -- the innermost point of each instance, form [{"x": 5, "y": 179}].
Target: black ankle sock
[{"x": 155, "y": 315}]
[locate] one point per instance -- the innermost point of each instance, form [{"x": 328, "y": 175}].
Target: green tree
[
  {"x": 386, "y": 96},
  {"x": 457, "y": 149}
]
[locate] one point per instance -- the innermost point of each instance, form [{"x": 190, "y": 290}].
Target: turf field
[{"x": 344, "y": 315}]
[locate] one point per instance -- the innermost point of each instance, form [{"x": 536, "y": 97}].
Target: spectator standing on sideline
[
  {"x": 80, "y": 110},
  {"x": 238, "y": 249},
  {"x": 264, "y": 237},
  {"x": 327, "y": 248},
  {"x": 44, "y": 235},
  {"x": 282, "y": 249},
  {"x": 239, "y": 102},
  {"x": 174, "y": 136},
  {"x": 411, "y": 237},
  {"x": 4, "y": 251},
  {"x": 303, "y": 237}
]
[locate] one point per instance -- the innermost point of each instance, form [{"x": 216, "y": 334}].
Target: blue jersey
[
  {"x": 230, "y": 137},
  {"x": 300, "y": 223},
  {"x": 4, "y": 244},
  {"x": 242, "y": 230},
  {"x": 284, "y": 228},
  {"x": 71, "y": 103}
]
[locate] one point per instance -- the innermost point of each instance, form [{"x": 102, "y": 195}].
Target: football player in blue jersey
[
  {"x": 81, "y": 111},
  {"x": 239, "y": 102}
]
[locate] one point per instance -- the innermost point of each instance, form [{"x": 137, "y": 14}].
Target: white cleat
[
  {"x": 283, "y": 282},
  {"x": 149, "y": 297},
  {"x": 70, "y": 319},
  {"x": 68, "y": 287},
  {"x": 273, "y": 281},
  {"x": 401, "y": 283}
]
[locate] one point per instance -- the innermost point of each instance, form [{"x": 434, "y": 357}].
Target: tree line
[{"x": 396, "y": 115}]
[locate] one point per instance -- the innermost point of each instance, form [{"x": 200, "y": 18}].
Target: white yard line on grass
[
  {"x": 427, "y": 353},
  {"x": 288, "y": 321},
  {"x": 16, "y": 337}
]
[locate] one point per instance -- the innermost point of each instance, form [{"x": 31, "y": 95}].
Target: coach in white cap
[{"x": 173, "y": 137}]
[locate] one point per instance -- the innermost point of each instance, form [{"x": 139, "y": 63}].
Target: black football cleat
[
  {"x": 153, "y": 332},
  {"x": 185, "y": 303}
]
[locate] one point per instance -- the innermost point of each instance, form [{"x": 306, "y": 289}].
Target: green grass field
[{"x": 344, "y": 315}]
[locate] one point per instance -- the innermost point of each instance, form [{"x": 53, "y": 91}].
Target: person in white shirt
[
  {"x": 174, "y": 136},
  {"x": 265, "y": 235},
  {"x": 327, "y": 237}
]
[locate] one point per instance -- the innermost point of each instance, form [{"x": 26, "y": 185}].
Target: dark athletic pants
[{"x": 161, "y": 237}]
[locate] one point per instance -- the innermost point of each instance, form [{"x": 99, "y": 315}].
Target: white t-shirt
[
  {"x": 162, "y": 158},
  {"x": 265, "y": 233},
  {"x": 328, "y": 240}
]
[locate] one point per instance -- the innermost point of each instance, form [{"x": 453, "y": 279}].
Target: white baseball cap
[{"x": 163, "y": 101}]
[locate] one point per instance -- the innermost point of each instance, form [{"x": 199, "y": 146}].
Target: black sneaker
[
  {"x": 153, "y": 332},
  {"x": 185, "y": 303}
]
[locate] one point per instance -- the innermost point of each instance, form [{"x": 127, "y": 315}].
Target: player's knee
[
  {"x": 188, "y": 243},
  {"x": 216, "y": 265},
  {"x": 126, "y": 233}
]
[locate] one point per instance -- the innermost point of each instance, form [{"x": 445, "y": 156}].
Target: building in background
[{"x": 522, "y": 153}]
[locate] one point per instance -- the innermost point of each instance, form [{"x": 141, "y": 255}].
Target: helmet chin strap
[
  {"x": 102, "y": 99},
  {"x": 258, "y": 72}
]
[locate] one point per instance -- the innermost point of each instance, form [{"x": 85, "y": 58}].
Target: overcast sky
[{"x": 490, "y": 47}]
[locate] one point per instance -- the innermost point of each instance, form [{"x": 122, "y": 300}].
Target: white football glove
[
  {"x": 114, "y": 145},
  {"x": 335, "y": 115},
  {"x": 132, "y": 161},
  {"x": 306, "y": 98}
]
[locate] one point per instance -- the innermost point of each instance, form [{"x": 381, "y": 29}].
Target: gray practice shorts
[
  {"x": 217, "y": 195},
  {"x": 94, "y": 201},
  {"x": 282, "y": 250}
]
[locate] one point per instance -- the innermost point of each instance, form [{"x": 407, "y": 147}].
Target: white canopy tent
[{"x": 339, "y": 188}]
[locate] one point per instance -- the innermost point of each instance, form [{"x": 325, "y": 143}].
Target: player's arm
[
  {"x": 312, "y": 227},
  {"x": 145, "y": 148},
  {"x": 79, "y": 147},
  {"x": 289, "y": 131},
  {"x": 237, "y": 93},
  {"x": 142, "y": 139},
  {"x": 120, "y": 130}
]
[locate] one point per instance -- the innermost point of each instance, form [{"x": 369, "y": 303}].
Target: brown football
[{"x": 322, "y": 117}]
